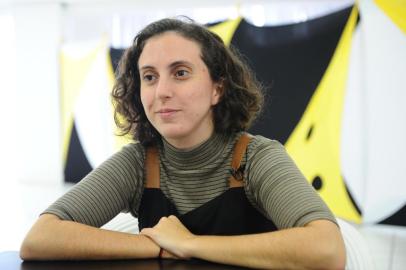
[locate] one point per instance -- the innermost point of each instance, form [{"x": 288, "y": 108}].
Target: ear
[{"x": 217, "y": 93}]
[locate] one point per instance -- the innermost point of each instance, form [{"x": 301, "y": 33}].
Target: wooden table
[{"x": 10, "y": 260}]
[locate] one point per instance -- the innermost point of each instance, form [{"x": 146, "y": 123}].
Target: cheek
[{"x": 145, "y": 100}]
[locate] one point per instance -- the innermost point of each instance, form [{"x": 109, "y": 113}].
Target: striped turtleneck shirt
[{"x": 189, "y": 178}]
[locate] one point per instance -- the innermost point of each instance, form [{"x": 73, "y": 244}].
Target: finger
[
  {"x": 162, "y": 219},
  {"x": 172, "y": 217}
]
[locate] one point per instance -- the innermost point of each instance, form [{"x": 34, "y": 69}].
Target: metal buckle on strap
[{"x": 238, "y": 174}]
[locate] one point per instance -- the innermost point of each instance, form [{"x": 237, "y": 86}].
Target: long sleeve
[
  {"x": 279, "y": 189},
  {"x": 113, "y": 187}
]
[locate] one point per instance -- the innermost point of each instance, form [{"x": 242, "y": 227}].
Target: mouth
[{"x": 167, "y": 112}]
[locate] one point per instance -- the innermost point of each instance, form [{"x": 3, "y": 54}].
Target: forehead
[{"x": 169, "y": 47}]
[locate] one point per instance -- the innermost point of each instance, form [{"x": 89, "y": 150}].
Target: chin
[{"x": 172, "y": 134}]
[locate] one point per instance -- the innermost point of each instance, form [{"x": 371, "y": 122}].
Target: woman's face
[{"x": 177, "y": 92}]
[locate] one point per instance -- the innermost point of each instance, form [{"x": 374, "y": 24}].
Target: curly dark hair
[{"x": 241, "y": 94}]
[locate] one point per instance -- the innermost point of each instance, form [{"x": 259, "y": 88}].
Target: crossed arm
[
  {"x": 318, "y": 245},
  {"x": 53, "y": 239}
]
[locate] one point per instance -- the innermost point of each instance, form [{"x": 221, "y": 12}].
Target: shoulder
[
  {"x": 267, "y": 157},
  {"x": 269, "y": 164},
  {"x": 277, "y": 187},
  {"x": 259, "y": 140},
  {"x": 131, "y": 151},
  {"x": 129, "y": 158},
  {"x": 133, "y": 148},
  {"x": 262, "y": 147}
]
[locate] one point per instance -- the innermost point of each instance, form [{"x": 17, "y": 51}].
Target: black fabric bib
[{"x": 228, "y": 214}]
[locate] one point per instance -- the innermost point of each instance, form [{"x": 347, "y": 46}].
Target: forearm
[
  {"x": 54, "y": 239},
  {"x": 296, "y": 248}
]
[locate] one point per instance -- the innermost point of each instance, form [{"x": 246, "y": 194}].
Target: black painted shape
[
  {"x": 317, "y": 183},
  {"x": 293, "y": 58},
  {"x": 398, "y": 218},
  {"x": 77, "y": 166},
  {"x": 309, "y": 132},
  {"x": 351, "y": 197},
  {"x": 115, "y": 56}
]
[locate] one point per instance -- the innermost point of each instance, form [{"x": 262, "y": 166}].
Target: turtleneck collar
[{"x": 197, "y": 156}]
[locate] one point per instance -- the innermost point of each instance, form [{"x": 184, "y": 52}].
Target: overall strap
[
  {"x": 152, "y": 168},
  {"x": 237, "y": 172}
]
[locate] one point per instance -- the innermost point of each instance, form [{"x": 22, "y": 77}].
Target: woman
[{"x": 200, "y": 186}]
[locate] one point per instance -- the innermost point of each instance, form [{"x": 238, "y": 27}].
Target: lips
[
  {"x": 166, "y": 113},
  {"x": 166, "y": 110}
]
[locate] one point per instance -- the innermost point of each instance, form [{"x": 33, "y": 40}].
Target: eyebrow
[{"x": 171, "y": 65}]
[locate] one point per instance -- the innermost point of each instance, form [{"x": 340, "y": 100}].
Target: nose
[{"x": 164, "y": 88}]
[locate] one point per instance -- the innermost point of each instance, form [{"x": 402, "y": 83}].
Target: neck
[
  {"x": 194, "y": 138},
  {"x": 188, "y": 143},
  {"x": 199, "y": 156}
]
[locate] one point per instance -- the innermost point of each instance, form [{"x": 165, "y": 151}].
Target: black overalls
[{"x": 228, "y": 214}]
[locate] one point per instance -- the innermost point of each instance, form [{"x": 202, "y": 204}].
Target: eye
[
  {"x": 181, "y": 73},
  {"x": 148, "y": 77}
]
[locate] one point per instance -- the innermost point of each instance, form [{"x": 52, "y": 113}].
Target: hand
[
  {"x": 167, "y": 255},
  {"x": 171, "y": 235}
]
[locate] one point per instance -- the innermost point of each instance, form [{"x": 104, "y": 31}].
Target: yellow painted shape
[
  {"x": 395, "y": 10},
  {"x": 320, "y": 155},
  {"x": 226, "y": 29},
  {"x": 73, "y": 73}
]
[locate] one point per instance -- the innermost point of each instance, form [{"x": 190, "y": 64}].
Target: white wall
[
  {"x": 38, "y": 147},
  {"x": 7, "y": 96}
]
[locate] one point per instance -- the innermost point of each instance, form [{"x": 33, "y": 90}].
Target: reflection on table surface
[{"x": 10, "y": 260}]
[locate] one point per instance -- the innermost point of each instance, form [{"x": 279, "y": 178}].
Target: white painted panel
[{"x": 385, "y": 84}]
